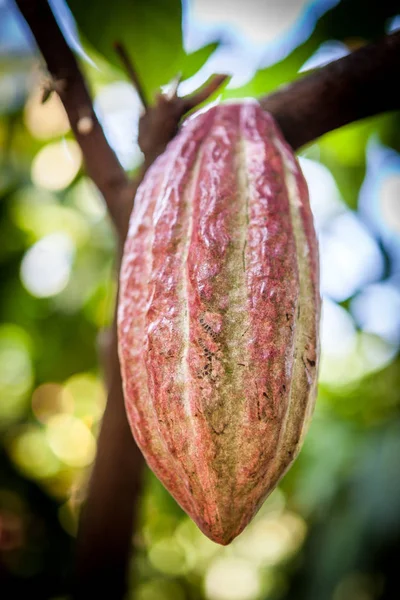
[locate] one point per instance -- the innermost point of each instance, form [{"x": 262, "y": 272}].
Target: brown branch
[
  {"x": 101, "y": 162},
  {"x": 362, "y": 84},
  {"x": 160, "y": 123},
  {"x": 109, "y": 513},
  {"x": 204, "y": 92},
  {"x": 131, "y": 71}
]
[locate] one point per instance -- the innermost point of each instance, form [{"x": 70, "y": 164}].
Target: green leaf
[
  {"x": 195, "y": 60},
  {"x": 150, "y": 31}
]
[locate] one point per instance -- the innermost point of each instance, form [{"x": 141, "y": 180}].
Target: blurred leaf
[
  {"x": 348, "y": 143},
  {"x": 16, "y": 373},
  {"x": 150, "y": 32},
  {"x": 372, "y": 399},
  {"x": 360, "y": 527},
  {"x": 195, "y": 60}
]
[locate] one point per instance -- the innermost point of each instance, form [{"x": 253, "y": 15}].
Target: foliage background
[{"x": 331, "y": 529}]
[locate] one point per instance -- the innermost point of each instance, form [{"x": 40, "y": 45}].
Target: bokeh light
[
  {"x": 66, "y": 484},
  {"x": 347, "y": 354},
  {"x": 45, "y": 120},
  {"x": 51, "y": 399},
  {"x": 46, "y": 267},
  {"x": 30, "y": 451},
  {"x": 118, "y": 108},
  {"x": 390, "y": 201},
  {"x": 86, "y": 197},
  {"x": 338, "y": 333},
  {"x": 16, "y": 372},
  {"x": 189, "y": 536},
  {"x": 270, "y": 540},
  {"x": 88, "y": 395},
  {"x": 231, "y": 578},
  {"x": 56, "y": 165},
  {"x": 170, "y": 557},
  {"x": 70, "y": 440},
  {"x": 383, "y": 321},
  {"x": 350, "y": 257},
  {"x": 39, "y": 214},
  {"x": 325, "y": 199}
]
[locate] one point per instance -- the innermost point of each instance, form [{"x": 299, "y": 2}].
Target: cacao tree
[{"x": 304, "y": 107}]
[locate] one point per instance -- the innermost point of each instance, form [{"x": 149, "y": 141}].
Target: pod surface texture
[{"x": 218, "y": 315}]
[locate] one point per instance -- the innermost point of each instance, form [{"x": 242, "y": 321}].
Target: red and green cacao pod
[{"x": 219, "y": 314}]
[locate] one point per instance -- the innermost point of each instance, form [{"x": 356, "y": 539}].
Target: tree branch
[
  {"x": 360, "y": 85},
  {"x": 160, "y": 123},
  {"x": 108, "y": 515},
  {"x": 200, "y": 95},
  {"x": 101, "y": 162}
]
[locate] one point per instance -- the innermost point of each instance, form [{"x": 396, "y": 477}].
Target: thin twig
[
  {"x": 132, "y": 73},
  {"x": 204, "y": 92},
  {"x": 160, "y": 123}
]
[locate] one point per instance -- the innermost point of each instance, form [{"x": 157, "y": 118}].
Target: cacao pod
[{"x": 219, "y": 314}]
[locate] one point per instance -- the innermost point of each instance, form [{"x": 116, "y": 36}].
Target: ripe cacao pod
[{"x": 219, "y": 314}]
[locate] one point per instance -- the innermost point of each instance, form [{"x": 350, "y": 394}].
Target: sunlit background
[{"x": 332, "y": 528}]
